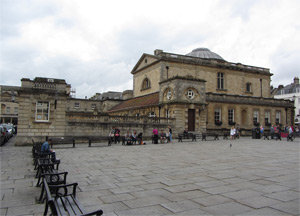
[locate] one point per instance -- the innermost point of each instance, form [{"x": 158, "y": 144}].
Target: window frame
[
  {"x": 255, "y": 116},
  {"x": 267, "y": 117},
  {"x": 146, "y": 84},
  {"x": 218, "y": 115},
  {"x": 47, "y": 113},
  {"x": 278, "y": 117},
  {"x": 221, "y": 81},
  {"x": 248, "y": 87},
  {"x": 230, "y": 115}
]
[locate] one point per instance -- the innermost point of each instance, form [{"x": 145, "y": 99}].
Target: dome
[{"x": 204, "y": 53}]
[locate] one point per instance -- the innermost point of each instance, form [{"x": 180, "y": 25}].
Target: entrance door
[{"x": 191, "y": 120}]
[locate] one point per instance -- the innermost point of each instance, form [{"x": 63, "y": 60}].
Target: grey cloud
[{"x": 15, "y": 12}]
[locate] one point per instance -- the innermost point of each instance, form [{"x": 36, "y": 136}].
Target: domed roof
[{"x": 204, "y": 53}]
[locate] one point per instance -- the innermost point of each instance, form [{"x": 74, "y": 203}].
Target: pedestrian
[
  {"x": 170, "y": 133},
  {"x": 272, "y": 132},
  {"x": 261, "y": 129},
  {"x": 232, "y": 133},
  {"x": 155, "y": 135}
]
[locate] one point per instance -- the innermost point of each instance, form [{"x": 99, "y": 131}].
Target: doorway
[{"x": 191, "y": 119}]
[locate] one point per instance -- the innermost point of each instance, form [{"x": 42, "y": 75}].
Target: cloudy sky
[{"x": 94, "y": 44}]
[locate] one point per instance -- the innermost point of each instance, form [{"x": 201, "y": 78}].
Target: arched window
[{"x": 146, "y": 84}]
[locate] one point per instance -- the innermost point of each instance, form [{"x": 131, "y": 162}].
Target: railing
[{"x": 121, "y": 119}]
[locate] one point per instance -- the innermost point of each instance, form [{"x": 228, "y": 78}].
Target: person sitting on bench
[
  {"x": 162, "y": 136},
  {"x": 46, "y": 149},
  {"x": 185, "y": 133}
]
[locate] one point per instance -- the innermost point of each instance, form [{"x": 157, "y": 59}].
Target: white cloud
[{"x": 95, "y": 44}]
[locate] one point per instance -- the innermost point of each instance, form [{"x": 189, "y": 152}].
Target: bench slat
[{"x": 74, "y": 205}]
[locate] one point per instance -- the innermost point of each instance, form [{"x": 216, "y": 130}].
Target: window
[
  {"x": 217, "y": 115},
  {"x": 146, "y": 84},
  {"x": 248, "y": 87},
  {"x": 7, "y": 110},
  {"x": 267, "y": 117},
  {"x": 230, "y": 115},
  {"x": 220, "y": 80},
  {"x": 169, "y": 94},
  {"x": 297, "y": 90},
  {"x": 167, "y": 113},
  {"x": 77, "y": 105},
  {"x": 255, "y": 116},
  {"x": 42, "y": 111},
  {"x": 152, "y": 114},
  {"x": 278, "y": 117},
  {"x": 16, "y": 110},
  {"x": 94, "y": 106},
  {"x": 282, "y": 91},
  {"x": 190, "y": 94}
]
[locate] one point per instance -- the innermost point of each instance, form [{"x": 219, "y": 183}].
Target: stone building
[
  {"x": 9, "y": 107},
  {"x": 199, "y": 91},
  {"x": 204, "y": 92},
  {"x": 290, "y": 92}
]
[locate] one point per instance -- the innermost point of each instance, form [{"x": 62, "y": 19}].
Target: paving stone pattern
[{"x": 253, "y": 177}]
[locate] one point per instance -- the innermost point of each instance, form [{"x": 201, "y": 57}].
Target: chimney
[
  {"x": 157, "y": 51},
  {"x": 296, "y": 80}
]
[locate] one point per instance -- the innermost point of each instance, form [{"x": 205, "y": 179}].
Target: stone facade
[{"x": 198, "y": 93}]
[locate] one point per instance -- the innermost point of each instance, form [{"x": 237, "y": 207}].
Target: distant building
[
  {"x": 290, "y": 92},
  {"x": 9, "y": 107}
]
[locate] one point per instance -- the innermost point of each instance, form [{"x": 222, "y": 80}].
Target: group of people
[
  {"x": 163, "y": 136},
  {"x": 234, "y": 132},
  {"x": 275, "y": 131},
  {"x": 128, "y": 138}
]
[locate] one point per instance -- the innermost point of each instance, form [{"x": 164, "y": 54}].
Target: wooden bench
[
  {"x": 215, "y": 136},
  {"x": 92, "y": 139},
  {"x": 61, "y": 199},
  {"x": 196, "y": 136},
  {"x": 187, "y": 137},
  {"x": 63, "y": 140}
]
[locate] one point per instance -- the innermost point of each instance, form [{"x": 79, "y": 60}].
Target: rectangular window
[
  {"x": 93, "y": 106},
  {"x": 267, "y": 117},
  {"x": 77, "y": 105},
  {"x": 167, "y": 113},
  {"x": 220, "y": 80},
  {"x": 16, "y": 110},
  {"x": 248, "y": 87},
  {"x": 42, "y": 111},
  {"x": 230, "y": 116},
  {"x": 278, "y": 117},
  {"x": 7, "y": 110},
  {"x": 217, "y": 115},
  {"x": 255, "y": 116}
]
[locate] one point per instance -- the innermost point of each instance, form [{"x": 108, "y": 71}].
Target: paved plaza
[{"x": 253, "y": 177}]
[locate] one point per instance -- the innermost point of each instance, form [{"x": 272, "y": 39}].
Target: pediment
[{"x": 144, "y": 61}]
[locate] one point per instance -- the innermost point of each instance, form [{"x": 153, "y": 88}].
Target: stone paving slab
[{"x": 253, "y": 177}]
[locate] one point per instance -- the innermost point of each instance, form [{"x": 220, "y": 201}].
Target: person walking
[
  {"x": 170, "y": 133},
  {"x": 232, "y": 133},
  {"x": 155, "y": 135}
]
